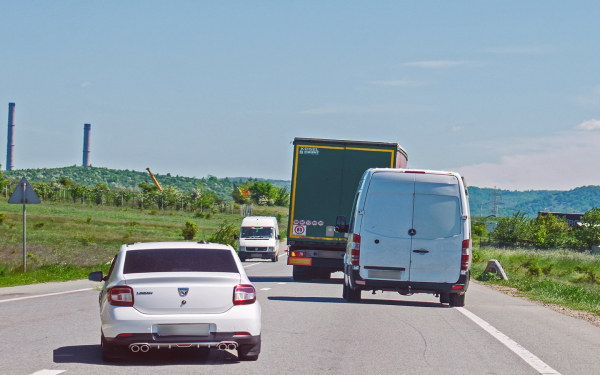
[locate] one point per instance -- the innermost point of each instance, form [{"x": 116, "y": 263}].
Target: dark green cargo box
[{"x": 325, "y": 175}]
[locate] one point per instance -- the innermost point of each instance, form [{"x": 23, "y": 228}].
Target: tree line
[
  {"x": 545, "y": 231},
  {"x": 148, "y": 196}
]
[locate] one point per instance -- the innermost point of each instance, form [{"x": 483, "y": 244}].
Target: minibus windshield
[{"x": 257, "y": 232}]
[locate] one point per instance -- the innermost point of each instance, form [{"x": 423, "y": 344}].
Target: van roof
[
  {"x": 425, "y": 171},
  {"x": 259, "y": 221}
]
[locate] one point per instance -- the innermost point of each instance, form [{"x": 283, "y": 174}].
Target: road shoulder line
[
  {"x": 44, "y": 295},
  {"x": 533, "y": 361}
]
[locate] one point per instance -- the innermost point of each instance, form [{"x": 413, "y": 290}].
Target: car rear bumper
[
  {"x": 257, "y": 254},
  {"x": 407, "y": 287},
  {"x": 119, "y": 319},
  {"x": 158, "y": 342}
]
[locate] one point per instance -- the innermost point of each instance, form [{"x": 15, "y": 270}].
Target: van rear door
[
  {"x": 437, "y": 244},
  {"x": 385, "y": 242}
]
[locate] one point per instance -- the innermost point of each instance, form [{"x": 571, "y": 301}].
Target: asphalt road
[{"x": 307, "y": 329}]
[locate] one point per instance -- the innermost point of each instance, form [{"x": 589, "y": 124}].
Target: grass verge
[
  {"x": 560, "y": 277},
  {"x": 48, "y": 273}
]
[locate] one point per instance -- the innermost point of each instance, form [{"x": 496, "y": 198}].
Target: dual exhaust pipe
[
  {"x": 135, "y": 348},
  {"x": 140, "y": 348},
  {"x": 227, "y": 345}
]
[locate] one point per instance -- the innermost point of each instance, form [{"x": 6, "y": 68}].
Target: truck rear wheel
[
  {"x": 353, "y": 295},
  {"x": 444, "y": 298},
  {"x": 457, "y": 300},
  {"x": 300, "y": 274}
]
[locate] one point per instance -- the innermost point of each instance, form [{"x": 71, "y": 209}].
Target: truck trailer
[{"x": 325, "y": 176}]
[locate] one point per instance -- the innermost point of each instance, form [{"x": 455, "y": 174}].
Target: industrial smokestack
[
  {"x": 10, "y": 147},
  {"x": 87, "y": 128}
]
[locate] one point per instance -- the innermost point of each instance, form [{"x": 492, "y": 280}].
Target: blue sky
[{"x": 505, "y": 92}]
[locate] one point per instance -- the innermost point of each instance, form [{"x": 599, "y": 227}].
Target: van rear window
[
  {"x": 179, "y": 260},
  {"x": 436, "y": 216}
]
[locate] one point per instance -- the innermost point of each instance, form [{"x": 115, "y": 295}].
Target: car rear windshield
[{"x": 179, "y": 260}]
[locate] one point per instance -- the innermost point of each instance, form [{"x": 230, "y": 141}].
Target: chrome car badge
[{"x": 183, "y": 291}]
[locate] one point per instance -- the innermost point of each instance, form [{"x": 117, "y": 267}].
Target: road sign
[
  {"x": 299, "y": 230},
  {"x": 24, "y": 194}
]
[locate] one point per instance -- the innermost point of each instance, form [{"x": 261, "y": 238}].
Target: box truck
[{"x": 325, "y": 174}]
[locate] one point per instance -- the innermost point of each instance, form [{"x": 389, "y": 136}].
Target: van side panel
[{"x": 437, "y": 244}]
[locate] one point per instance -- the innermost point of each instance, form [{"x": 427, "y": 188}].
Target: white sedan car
[{"x": 168, "y": 295}]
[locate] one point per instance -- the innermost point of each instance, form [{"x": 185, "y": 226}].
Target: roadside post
[{"x": 24, "y": 194}]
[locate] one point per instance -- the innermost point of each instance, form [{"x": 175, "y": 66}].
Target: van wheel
[
  {"x": 275, "y": 258},
  {"x": 353, "y": 295},
  {"x": 299, "y": 274},
  {"x": 457, "y": 300},
  {"x": 345, "y": 291},
  {"x": 444, "y": 297}
]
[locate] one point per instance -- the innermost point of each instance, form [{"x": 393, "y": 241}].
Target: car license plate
[
  {"x": 256, "y": 255},
  {"x": 183, "y": 329}
]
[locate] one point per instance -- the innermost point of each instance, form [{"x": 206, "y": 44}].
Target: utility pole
[{"x": 495, "y": 202}]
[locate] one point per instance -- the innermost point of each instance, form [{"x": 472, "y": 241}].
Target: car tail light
[
  {"x": 464, "y": 261},
  {"x": 355, "y": 250},
  {"x": 300, "y": 254},
  {"x": 457, "y": 286},
  {"x": 125, "y": 335},
  {"x": 120, "y": 296},
  {"x": 244, "y": 295},
  {"x": 242, "y": 334}
]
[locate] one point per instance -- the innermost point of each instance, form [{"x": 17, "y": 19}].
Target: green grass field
[
  {"x": 562, "y": 277},
  {"x": 64, "y": 240}
]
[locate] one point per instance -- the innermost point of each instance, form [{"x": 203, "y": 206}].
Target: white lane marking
[
  {"x": 266, "y": 289},
  {"x": 533, "y": 361},
  {"x": 45, "y": 295},
  {"x": 48, "y": 372},
  {"x": 255, "y": 264},
  {"x": 281, "y": 283}
]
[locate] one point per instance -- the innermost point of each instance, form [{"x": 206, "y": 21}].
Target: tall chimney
[
  {"x": 10, "y": 147},
  {"x": 87, "y": 128}
]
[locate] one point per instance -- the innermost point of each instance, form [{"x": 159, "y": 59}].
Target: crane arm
[{"x": 154, "y": 179}]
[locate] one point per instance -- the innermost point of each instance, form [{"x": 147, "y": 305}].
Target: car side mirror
[
  {"x": 96, "y": 276},
  {"x": 340, "y": 224},
  {"x": 235, "y": 237},
  {"x": 279, "y": 236}
]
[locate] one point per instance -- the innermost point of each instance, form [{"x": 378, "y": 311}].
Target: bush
[
  {"x": 2, "y": 218},
  {"x": 202, "y": 215},
  {"x": 89, "y": 219},
  {"x": 189, "y": 231},
  {"x": 39, "y": 225},
  {"x": 86, "y": 240},
  {"x": 488, "y": 276},
  {"x": 590, "y": 272},
  {"x": 225, "y": 234},
  {"x": 512, "y": 230}
]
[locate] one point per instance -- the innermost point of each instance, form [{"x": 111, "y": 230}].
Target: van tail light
[
  {"x": 355, "y": 250},
  {"x": 244, "y": 295},
  {"x": 464, "y": 261},
  {"x": 120, "y": 296}
]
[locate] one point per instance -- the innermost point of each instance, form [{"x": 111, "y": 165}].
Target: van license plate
[{"x": 183, "y": 329}]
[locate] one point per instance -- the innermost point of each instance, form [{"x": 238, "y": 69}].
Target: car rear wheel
[
  {"x": 249, "y": 352},
  {"x": 110, "y": 353},
  {"x": 457, "y": 300},
  {"x": 275, "y": 258}
]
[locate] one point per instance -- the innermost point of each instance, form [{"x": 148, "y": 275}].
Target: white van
[
  {"x": 409, "y": 232},
  {"x": 259, "y": 238}
]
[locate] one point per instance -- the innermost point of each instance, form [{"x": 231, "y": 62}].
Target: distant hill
[{"x": 578, "y": 200}]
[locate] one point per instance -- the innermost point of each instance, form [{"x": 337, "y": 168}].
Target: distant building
[{"x": 573, "y": 220}]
